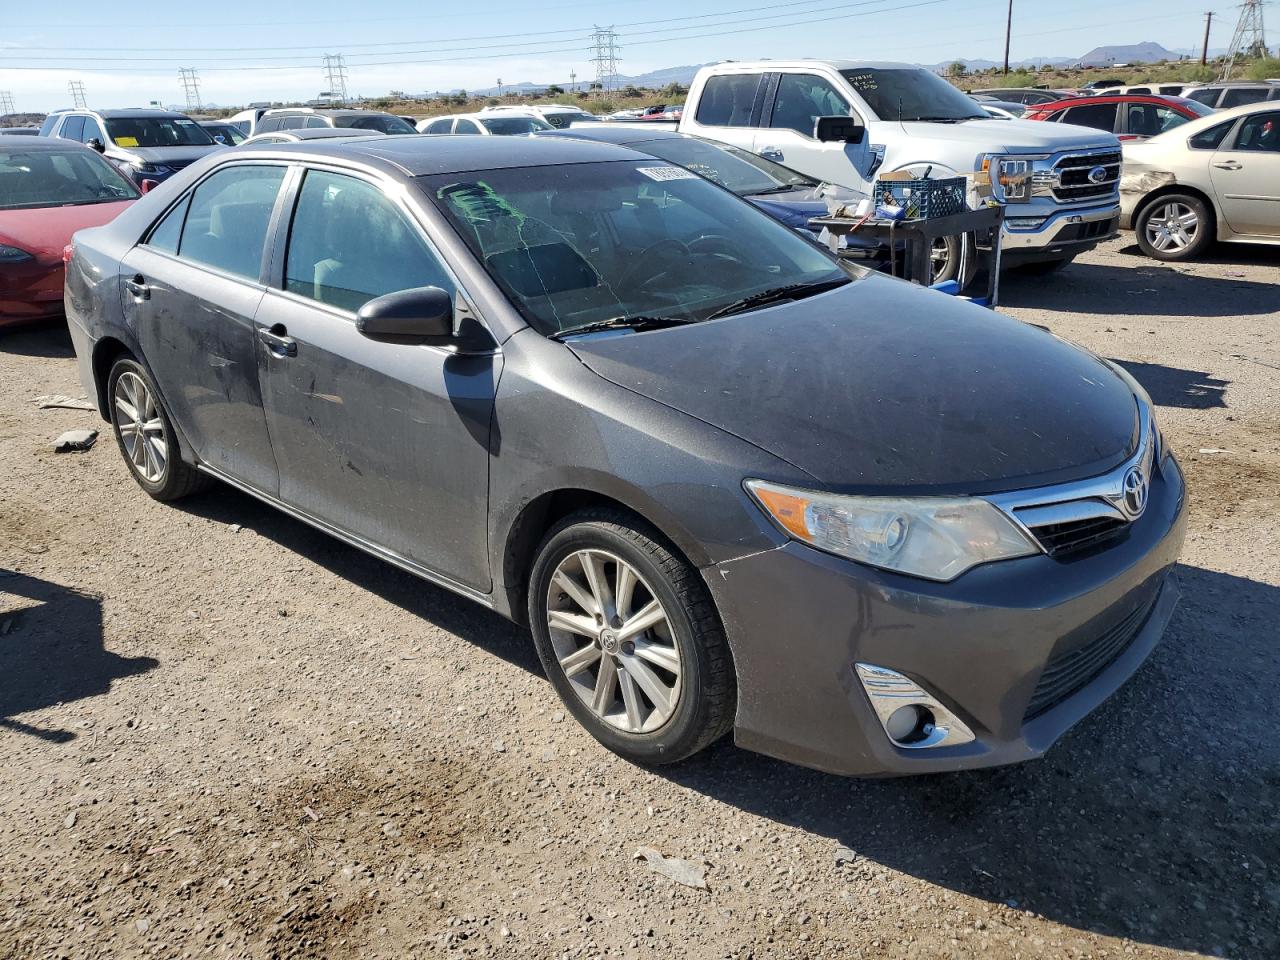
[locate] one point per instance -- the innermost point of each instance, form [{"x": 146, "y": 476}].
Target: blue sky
[{"x": 128, "y": 58}]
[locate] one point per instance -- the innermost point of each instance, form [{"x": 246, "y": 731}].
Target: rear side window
[
  {"x": 227, "y": 219},
  {"x": 1242, "y": 95},
  {"x": 1211, "y": 138},
  {"x": 1208, "y": 97},
  {"x": 1099, "y": 116},
  {"x": 269, "y": 124},
  {"x": 729, "y": 100},
  {"x": 349, "y": 243},
  {"x": 72, "y": 128},
  {"x": 169, "y": 230},
  {"x": 295, "y": 123},
  {"x": 316, "y": 122},
  {"x": 439, "y": 126},
  {"x": 802, "y": 99},
  {"x": 467, "y": 126}
]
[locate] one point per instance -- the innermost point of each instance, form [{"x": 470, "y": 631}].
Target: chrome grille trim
[{"x": 1065, "y": 178}]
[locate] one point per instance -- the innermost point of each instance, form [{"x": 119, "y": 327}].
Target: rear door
[
  {"x": 1246, "y": 176},
  {"x": 728, "y": 108},
  {"x": 387, "y": 442},
  {"x": 191, "y": 291},
  {"x": 786, "y": 131}
]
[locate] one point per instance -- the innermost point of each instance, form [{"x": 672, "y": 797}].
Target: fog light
[
  {"x": 1024, "y": 223},
  {"x": 912, "y": 717}
]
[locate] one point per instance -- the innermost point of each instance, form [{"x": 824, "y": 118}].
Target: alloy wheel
[
  {"x": 141, "y": 427},
  {"x": 939, "y": 259},
  {"x": 613, "y": 640},
  {"x": 1172, "y": 226}
]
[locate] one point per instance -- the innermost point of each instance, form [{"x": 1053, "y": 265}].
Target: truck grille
[
  {"x": 1073, "y": 176},
  {"x": 1068, "y": 672}
]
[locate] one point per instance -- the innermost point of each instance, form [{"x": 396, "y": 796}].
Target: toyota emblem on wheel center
[{"x": 1134, "y": 493}]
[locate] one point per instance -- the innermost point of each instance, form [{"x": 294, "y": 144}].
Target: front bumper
[
  {"x": 799, "y": 619},
  {"x": 30, "y": 291},
  {"x": 1063, "y": 234}
]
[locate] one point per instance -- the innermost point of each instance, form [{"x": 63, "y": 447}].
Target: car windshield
[
  {"x": 226, "y": 134},
  {"x": 738, "y": 170},
  {"x": 382, "y": 122},
  {"x": 580, "y": 244},
  {"x": 58, "y": 178},
  {"x": 157, "y": 132},
  {"x": 911, "y": 93},
  {"x": 514, "y": 126},
  {"x": 1195, "y": 106}
]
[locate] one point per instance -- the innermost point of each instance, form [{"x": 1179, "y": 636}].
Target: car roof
[
  {"x": 136, "y": 113},
  {"x": 39, "y": 143},
  {"x": 321, "y": 133},
  {"x": 815, "y": 62},
  {"x": 308, "y": 111},
  {"x": 424, "y": 155},
  {"x": 1156, "y": 98},
  {"x": 614, "y": 133},
  {"x": 1192, "y": 127}
]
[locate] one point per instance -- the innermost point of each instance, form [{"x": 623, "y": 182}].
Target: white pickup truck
[{"x": 1060, "y": 183}]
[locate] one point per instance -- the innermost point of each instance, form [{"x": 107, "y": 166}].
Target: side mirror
[
  {"x": 420, "y": 315},
  {"x": 148, "y": 185},
  {"x": 838, "y": 130},
  {"x": 96, "y": 144}
]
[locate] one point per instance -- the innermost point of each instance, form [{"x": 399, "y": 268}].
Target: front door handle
[
  {"x": 277, "y": 340},
  {"x": 772, "y": 153},
  {"x": 1229, "y": 165},
  {"x": 138, "y": 287}
]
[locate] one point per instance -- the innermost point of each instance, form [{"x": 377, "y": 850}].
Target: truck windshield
[
  {"x": 911, "y": 93},
  {"x": 583, "y": 244}
]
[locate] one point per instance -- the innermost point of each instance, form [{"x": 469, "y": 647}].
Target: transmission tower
[
  {"x": 78, "y": 99},
  {"x": 335, "y": 72},
  {"x": 6, "y": 103},
  {"x": 1250, "y": 39},
  {"x": 605, "y": 42},
  {"x": 190, "y": 86}
]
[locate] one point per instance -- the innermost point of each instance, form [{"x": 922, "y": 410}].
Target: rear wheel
[
  {"x": 145, "y": 435},
  {"x": 1175, "y": 226},
  {"x": 630, "y": 639}
]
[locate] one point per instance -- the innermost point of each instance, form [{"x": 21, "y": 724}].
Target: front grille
[
  {"x": 178, "y": 164},
  {"x": 1069, "y": 672},
  {"x": 1093, "y": 230},
  {"x": 1073, "y": 176},
  {"x": 1060, "y": 539}
]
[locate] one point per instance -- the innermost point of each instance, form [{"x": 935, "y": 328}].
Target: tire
[
  {"x": 148, "y": 444},
  {"x": 944, "y": 260},
  {"x": 1175, "y": 226},
  {"x": 1044, "y": 268},
  {"x": 668, "y": 688}
]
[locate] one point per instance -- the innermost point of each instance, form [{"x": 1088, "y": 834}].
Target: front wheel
[
  {"x": 630, "y": 638},
  {"x": 146, "y": 436},
  {"x": 1175, "y": 226},
  {"x": 945, "y": 256}
]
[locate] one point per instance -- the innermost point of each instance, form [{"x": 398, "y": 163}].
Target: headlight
[
  {"x": 14, "y": 255},
  {"x": 1011, "y": 177},
  {"x": 144, "y": 166},
  {"x": 935, "y": 538}
]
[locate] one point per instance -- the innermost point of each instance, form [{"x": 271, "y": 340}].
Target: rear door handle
[
  {"x": 277, "y": 341},
  {"x": 138, "y": 287},
  {"x": 1229, "y": 165}
]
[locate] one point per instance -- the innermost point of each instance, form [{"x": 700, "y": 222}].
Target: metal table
[{"x": 919, "y": 236}]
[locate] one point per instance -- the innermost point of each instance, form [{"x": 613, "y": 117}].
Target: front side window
[
  {"x": 439, "y": 126},
  {"x": 1148, "y": 120},
  {"x": 514, "y": 126},
  {"x": 296, "y": 123},
  {"x": 738, "y": 170},
  {"x": 157, "y": 132},
  {"x": 1099, "y": 116},
  {"x": 1239, "y": 96},
  {"x": 1208, "y": 97},
  {"x": 578, "y": 244},
  {"x": 380, "y": 122},
  {"x": 269, "y": 124},
  {"x": 227, "y": 220},
  {"x": 72, "y": 128},
  {"x": 349, "y": 243},
  {"x": 314, "y": 123},
  {"x": 1259, "y": 133},
  {"x": 729, "y": 100},
  {"x": 911, "y": 93},
  {"x": 802, "y": 99},
  {"x": 59, "y": 178},
  {"x": 466, "y": 126}
]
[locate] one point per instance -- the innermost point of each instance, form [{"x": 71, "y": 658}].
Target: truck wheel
[
  {"x": 630, "y": 638},
  {"x": 1174, "y": 226},
  {"x": 944, "y": 260},
  {"x": 145, "y": 435}
]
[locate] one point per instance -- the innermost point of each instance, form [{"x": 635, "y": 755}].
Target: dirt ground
[{"x": 224, "y": 734}]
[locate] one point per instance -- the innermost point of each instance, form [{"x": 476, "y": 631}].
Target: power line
[
  {"x": 606, "y": 57},
  {"x": 191, "y": 87}
]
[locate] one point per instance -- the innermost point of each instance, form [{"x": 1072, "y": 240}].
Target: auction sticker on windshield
[
  {"x": 126, "y": 141},
  {"x": 662, "y": 174}
]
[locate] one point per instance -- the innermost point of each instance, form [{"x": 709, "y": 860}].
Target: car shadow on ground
[
  {"x": 445, "y": 609},
  {"x": 1153, "y": 820},
  {"x": 1175, "y": 387},
  {"x": 1145, "y": 288},
  {"x": 51, "y": 651},
  {"x": 48, "y": 338}
]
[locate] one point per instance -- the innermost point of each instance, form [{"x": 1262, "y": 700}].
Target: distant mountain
[{"x": 1127, "y": 53}]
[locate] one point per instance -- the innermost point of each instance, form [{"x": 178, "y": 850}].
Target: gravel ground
[{"x": 222, "y": 733}]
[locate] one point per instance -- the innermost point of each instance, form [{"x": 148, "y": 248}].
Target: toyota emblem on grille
[
  {"x": 1097, "y": 174},
  {"x": 1134, "y": 493}
]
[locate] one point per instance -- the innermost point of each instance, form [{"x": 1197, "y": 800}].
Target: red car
[
  {"x": 49, "y": 189},
  {"x": 1130, "y": 116}
]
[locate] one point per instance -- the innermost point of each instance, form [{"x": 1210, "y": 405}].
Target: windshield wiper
[
  {"x": 784, "y": 188},
  {"x": 792, "y": 291},
  {"x": 623, "y": 323}
]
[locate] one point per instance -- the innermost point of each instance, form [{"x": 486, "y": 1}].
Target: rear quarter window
[{"x": 728, "y": 100}]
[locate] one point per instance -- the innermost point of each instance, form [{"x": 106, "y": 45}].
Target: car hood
[
  {"x": 992, "y": 135},
  {"x": 164, "y": 155},
  {"x": 44, "y": 231},
  {"x": 885, "y": 387}
]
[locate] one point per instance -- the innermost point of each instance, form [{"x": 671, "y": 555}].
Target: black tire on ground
[
  {"x": 177, "y": 478},
  {"x": 944, "y": 261},
  {"x": 707, "y": 697},
  {"x": 1044, "y": 268},
  {"x": 1194, "y": 226}
]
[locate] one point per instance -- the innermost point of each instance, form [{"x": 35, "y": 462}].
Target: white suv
[{"x": 1059, "y": 182}]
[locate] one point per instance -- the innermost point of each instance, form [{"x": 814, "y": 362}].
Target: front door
[
  {"x": 387, "y": 442},
  {"x": 191, "y": 290},
  {"x": 1246, "y": 177},
  {"x": 786, "y": 133}
]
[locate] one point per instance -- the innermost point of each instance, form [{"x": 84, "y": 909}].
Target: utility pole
[
  {"x": 190, "y": 86},
  {"x": 573, "y": 80},
  {"x": 6, "y": 103},
  {"x": 499, "y": 88},
  {"x": 1008, "y": 33},
  {"x": 1204, "y": 51},
  {"x": 78, "y": 99},
  {"x": 335, "y": 72}
]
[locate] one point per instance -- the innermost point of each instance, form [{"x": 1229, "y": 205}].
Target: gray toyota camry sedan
[{"x": 727, "y": 481}]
